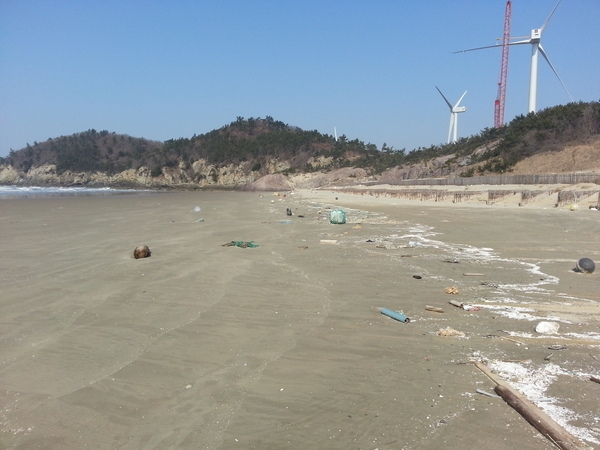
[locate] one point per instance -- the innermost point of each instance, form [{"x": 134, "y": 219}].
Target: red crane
[{"x": 501, "y": 99}]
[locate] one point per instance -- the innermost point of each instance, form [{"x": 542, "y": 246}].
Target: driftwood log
[
  {"x": 595, "y": 379},
  {"x": 434, "y": 308},
  {"x": 541, "y": 421},
  {"x": 535, "y": 416}
]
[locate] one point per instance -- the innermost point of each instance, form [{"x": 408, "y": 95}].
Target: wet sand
[{"x": 284, "y": 345}]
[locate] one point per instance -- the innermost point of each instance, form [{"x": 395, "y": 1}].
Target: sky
[{"x": 169, "y": 69}]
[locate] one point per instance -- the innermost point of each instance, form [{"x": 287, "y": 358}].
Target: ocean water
[{"x": 9, "y": 192}]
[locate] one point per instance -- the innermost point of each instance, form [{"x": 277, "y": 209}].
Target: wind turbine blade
[
  {"x": 460, "y": 99},
  {"x": 549, "y": 17},
  {"x": 541, "y": 49},
  {"x": 449, "y": 105},
  {"x": 478, "y": 48},
  {"x": 526, "y": 41}
]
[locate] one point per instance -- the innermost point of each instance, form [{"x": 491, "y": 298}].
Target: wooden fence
[
  {"x": 438, "y": 195},
  {"x": 571, "y": 197},
  {"x": 496, "y": 196},
  {"x": 528, "y": 196},
  {"x": 552, "y": 178}
]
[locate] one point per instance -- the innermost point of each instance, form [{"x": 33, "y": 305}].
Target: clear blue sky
[{"x": 170, "y": 69}]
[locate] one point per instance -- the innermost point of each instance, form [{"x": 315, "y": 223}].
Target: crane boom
[{"x": 501, "y": 99}]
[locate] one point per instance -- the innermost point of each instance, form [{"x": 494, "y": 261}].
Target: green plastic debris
[
  {"x": 337, "y": 216},
  {"x": 241, "y": 244}
]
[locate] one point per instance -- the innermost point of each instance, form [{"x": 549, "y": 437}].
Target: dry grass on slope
[{"x": 578, "y": 158}]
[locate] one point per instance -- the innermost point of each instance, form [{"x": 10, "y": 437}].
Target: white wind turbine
[
  {"x": 536, "y": 49},
  {"x": 454, "y": 111}
]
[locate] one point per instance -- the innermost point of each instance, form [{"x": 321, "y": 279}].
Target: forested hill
[{"x": 255, "y": 143}]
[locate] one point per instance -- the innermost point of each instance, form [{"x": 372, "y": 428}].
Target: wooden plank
[
  {"x": 535, "y": 416},
  {"x": 540, "y": 420}
]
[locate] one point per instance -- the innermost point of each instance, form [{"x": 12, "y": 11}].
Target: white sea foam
[{"x": 41, "y": 191}]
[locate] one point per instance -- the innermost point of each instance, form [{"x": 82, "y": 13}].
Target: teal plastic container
[{"x": 337, "y": 217}]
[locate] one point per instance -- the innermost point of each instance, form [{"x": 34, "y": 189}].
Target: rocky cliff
[{"x": 199, "y": 174}]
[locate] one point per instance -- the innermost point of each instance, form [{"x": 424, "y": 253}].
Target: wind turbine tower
[
  {"x": 501, "y": 99},
  {"x": 454, "y": 112},
  {"x": 536, "y": 48}
]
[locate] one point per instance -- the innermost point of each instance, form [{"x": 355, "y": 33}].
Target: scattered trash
[
  {"x": 451, "y": 290},
  {"x": 473, "y": 274},
  {"x": 200, "y": 220},
  {"x": 329, "y": 241},
  {"x": 337, "y": 217},
  {"x": 461, "y": 305},
  {"x": 450, "y": 332},
  {"x": 512, "y": 340},
  {"x": 289, "y": 212},
  {"x": 197, "y": 209},
  {"x": 595, "y": 379},
  {"x": 241, "y": 244},
  {"x": 557, "y": 347},
  {"x": 397, "y": 315},
  {"x": 481, "y": 391},
  {"x": 414, "y": 244},
  {"x": 574, "y": 207},
  {"x": 434, "y": 309},
  {"x": 471, "y": 308},
  {"x": 303, "y": 247},
  {"x": 417, "y": 277},
  {"x": 286, "y": 222},
  {"x": 585, "y": 265},
  {"x": 141, "y": 251},
  {"x": 547, "y": 328},
  {"x": 453, "y": 261}
]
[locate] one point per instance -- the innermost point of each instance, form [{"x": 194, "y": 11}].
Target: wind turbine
[
  {"x": 536, "y": 48},
  {"x": 454, "y": 111}
]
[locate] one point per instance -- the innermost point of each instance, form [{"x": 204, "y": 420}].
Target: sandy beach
[{"x": 283, "y": 344}]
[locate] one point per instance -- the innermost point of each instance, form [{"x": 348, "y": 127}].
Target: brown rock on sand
[{"x": 141, "y": 251}]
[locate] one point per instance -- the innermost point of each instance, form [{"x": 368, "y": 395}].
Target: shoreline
[{"x": 572, "y": 196}]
